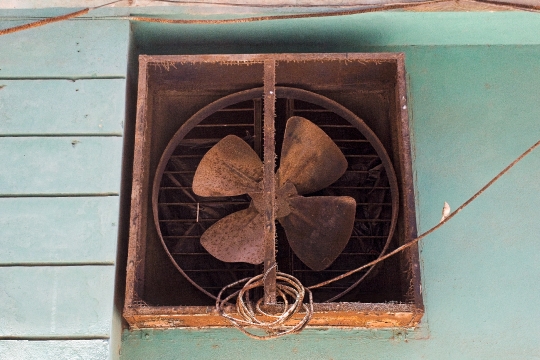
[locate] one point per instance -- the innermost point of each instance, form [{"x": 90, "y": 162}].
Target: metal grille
[
  {"x": 365, "y": 180},
  {"x": 184, "y": 216}
]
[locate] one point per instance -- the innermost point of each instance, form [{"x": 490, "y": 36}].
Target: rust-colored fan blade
[
  {"x": 309, "y": 158},
  {"x": 238, "y": 237},
  {"x": 318, "y": 228},
  {"x": 229, "y": 168}
]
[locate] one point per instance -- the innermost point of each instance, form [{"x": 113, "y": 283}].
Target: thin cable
[
  {"x": 525, "y": 7},
  {"x": 396, "y": 6},
  {"x": 412, "y": 242},
  {"x": 44, "y": 22},
  {"x": 52, "y": 19},
  {"x": 270, "y": 6},
  {"x": 285, "y": 17}
]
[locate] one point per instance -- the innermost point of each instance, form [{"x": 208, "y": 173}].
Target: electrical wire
[
  {"x": 374, "y": 8},
  {"x": 436, "y": 227},
  {"x": 289, "y": 285}
]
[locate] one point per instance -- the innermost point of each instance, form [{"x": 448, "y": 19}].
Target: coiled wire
[{"x": 255, "y": 317}]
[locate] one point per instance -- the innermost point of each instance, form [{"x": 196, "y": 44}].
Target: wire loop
[{"x": 287, "y": 286}]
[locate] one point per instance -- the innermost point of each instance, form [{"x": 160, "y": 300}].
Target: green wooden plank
[
  {"x": 60, "y": 165},
  {"x": 58, "y": 230},
  {"x": 59, "y": 301},
  {"x": 67, "y": 49},
  {"x": 53, "y": 349},
  {"x": 62, "y": 107}
]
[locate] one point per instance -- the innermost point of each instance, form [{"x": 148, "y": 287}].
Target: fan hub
[{"x": 283, "y": 194}]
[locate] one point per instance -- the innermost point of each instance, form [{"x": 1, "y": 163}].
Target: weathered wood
[
  {"x": 60, "y": 165},
  {"x": 350, "y": 315},
  {"x": 58, "y": 230},
  {"x": 40, "y": 107},
  {"x": 56, "y": 301},
  {"x": 67, "y": 49},
  {"x": 53, "y": 349}
]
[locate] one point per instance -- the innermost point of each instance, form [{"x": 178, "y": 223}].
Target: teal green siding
[
  {"x": 61, "y": 140},
  {"x": 54, "y": 349},
  {"x": 66, "y": 50},
  {"x": 51, "y": 230},
  {"x": 62, "y": 301},
  {"x": 52, "y": 107},
  {"x": 60, "y": 165}
]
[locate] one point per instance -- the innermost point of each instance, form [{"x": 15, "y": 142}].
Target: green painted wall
[
  {"x": 474, "y": 102},
  {"x": 474, "y": 105}
]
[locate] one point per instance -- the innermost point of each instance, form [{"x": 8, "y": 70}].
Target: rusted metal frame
[
  {"x": 136, "y": 313},
  {"x": 137, "y": 227},
  {"x": 259, "y": 58},
  {"x": 405, "y": 166},
  {"x": 269, "y": 183},
  {"x": 326, "y": 307},
  {"x": 347, "y": 315}
]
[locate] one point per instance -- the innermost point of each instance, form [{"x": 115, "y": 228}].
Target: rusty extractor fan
[{"x": 317, "y": 228}]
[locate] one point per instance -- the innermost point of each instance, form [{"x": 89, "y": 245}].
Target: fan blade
[
  {"x": 319, "y": 227},
  {"x": 238, "y": 237},
  {"x": 229, "y": 168},
  {"x": 309, "y": 158}
]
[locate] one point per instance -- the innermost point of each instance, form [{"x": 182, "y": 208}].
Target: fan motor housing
[{"x": 188, "y": 95}]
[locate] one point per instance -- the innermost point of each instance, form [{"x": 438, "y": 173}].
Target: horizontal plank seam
[
  {"x": 49, "y": 338},
  {"x": 58, "y": 195},
  {"x": 57, "y": 264},
  {"x": 64, "y": 135},
  {"x": 68, "y": 78}
]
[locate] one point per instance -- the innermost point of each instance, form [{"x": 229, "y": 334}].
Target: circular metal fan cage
[{"x": 181, "y": 217}]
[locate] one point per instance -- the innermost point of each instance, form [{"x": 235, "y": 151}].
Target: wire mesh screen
[{"x": 184, "y": 216}]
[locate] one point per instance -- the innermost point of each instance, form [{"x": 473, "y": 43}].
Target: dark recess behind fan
[{"x": 365, "y": 88}]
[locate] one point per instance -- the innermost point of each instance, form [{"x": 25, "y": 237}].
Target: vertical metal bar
[
  {"x": 257, "y": 146},
  {"x": 257, "y": 124},
  {"x": 269, "y": 162}
]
